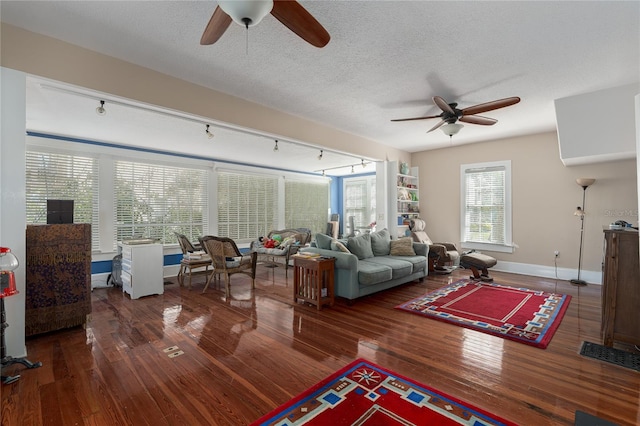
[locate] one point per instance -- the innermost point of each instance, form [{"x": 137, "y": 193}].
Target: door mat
[
  {"x": 585, "y": 419},
  {"x": 612, "y": 355}
]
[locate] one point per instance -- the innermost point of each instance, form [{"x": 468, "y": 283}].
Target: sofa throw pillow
[
  {"x": 380, "y": 241},
  {"x": 360, "y": 246},
  {"x": 323, "y": 241},
  {"x": 338, "y": 246},
  {"x": 402, "y": 247}
]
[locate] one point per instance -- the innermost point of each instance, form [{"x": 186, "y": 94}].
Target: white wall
[
  {"x": 12, "y": 198},
  {"x": 597, "y": 126}
]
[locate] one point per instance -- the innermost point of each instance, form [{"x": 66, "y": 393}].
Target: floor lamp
[{"x": 584, "y": 183}]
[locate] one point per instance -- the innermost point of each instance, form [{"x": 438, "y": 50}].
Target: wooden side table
[{"x": 313, "y": 280}]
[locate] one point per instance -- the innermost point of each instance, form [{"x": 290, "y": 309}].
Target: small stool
[{"x": 479, "y": 264}]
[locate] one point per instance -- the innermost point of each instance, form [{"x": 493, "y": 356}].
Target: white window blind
[
  {"x": 154, "y": 201},
  {"x": 306, "y": 205},
  {"x": 66, "y": 177},
  {"x": 486, "y": 204},
  {"x": 247, "y": 205},
  {"x": 360, "y": 200}
]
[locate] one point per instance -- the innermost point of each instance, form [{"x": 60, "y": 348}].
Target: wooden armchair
[
  {"x": 227, "y": 259},
  {"x": 190, "y": 262}
]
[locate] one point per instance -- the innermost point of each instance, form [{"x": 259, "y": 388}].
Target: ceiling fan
[
  {"x": 451, "y": 114},
  {"x": 250, "y": 12}
]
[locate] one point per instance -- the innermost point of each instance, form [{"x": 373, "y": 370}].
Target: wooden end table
[{"x": 313, "y": 280}]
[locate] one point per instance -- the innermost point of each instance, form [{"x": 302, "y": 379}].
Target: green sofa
[{"x": 372, "y": 262}]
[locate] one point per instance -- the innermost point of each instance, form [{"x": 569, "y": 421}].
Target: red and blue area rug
[
  {"x": 519, "y": 314},
  {"x": 363, "y": 393}
]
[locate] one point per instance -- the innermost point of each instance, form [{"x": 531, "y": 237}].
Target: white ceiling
[{"x": 385, "y": 60}]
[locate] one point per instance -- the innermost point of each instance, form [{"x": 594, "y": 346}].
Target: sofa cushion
[
  {"x": 370, "y": 273},
  {"x": 402, "y": 247},
  {"x": 419, "y": 263},
  {"x": 339, "y": 246},
  {"x": 323, "y": 241},
  {"x": 380, "y": 241},
  {"x": 399, "y": 266},
  {"x": 360, "y": 246}
]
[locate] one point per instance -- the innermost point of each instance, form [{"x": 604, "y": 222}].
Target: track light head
[
  {"x": 363, "y": 164},
  {"x": 320, "y": 156},
  {"x": 208, "y": 133},
  {"x": 100, "y": 110},
  {"x": 275, "y": 148},
  {"x": 352, "y": 169},
  {"x": 323, "y": 173}
]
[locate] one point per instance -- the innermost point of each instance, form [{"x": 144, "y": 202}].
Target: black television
[{"x": 59, "y": 211}]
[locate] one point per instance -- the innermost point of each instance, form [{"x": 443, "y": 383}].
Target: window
[
  {"x": 486, "y": 206},
  {"x": 247, "y": 205},
  {"x": 154, "y": 201},
  {"x": 306, "y": 205},
  {"x": 359, "y": 201},
  {"x": 63, "y": 176}
]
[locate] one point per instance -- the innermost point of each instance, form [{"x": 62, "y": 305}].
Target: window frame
[
  {"x": 309, "y": 191},
  {"x": 507, "y": 245},
  {"x": 371, "y": 194},
  {"x": 163, "y": 195},
  {"x": 66, "y": 163}
]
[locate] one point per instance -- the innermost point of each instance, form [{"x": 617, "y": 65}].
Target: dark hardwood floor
[{"x": 246, "y": 355}]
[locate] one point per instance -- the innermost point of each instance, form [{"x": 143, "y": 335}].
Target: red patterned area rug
[
  {"x": 526, "y": 316},
  {"x": 363, "y": 393}
]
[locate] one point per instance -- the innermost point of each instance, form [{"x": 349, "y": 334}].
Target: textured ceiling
[{"x": 385, "y": 60}]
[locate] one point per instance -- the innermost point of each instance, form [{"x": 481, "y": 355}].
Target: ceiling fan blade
[
  {"x": 416, "y": 118},
  {"x": 217, "y": 25},
  {"x": 489, "y": 106},
  {"x": 478, "y": 119},
  {"x": 443, "y": 105},
  {"x": 297, "y": 19},
  {"x": 437, "y": 126}
]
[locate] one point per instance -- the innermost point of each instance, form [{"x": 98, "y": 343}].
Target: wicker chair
[
  {"x": 227, "y": 259},
  {"x": 188, "y": 264}
]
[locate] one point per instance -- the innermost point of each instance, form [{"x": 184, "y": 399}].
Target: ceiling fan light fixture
[
  {"x": 451, "y": 129},
  {"x": 100, "y": 110},
  {"x": 246, "y": 13}
]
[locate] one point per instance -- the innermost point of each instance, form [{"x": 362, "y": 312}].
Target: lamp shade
[
  {"x": 585, "y": 182},
  {"x": 451, "y": 129},
  {"x": 246, "y": 13}
]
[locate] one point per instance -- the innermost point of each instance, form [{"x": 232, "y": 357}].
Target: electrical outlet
[{"x": 557, "y": 253}]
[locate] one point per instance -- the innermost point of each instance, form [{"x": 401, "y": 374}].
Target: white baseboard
[{"x": 592, "y": 277}]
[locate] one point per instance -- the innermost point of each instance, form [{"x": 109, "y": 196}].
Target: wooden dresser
[
  {"x": 621, "y": 287},
  {"x": 58, "y": 282}
]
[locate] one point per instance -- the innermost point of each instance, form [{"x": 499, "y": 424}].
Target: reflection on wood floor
[{"x": 244, "y": 356}]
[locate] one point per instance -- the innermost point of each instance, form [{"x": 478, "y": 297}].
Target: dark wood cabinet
[
  {"x": 58, "y": 285},
  {"x": 621, "y": 288}
]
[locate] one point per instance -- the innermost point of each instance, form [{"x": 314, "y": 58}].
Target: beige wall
[
  {"x": 545, "y": 196},
  {"x": 50, "y": 58}
]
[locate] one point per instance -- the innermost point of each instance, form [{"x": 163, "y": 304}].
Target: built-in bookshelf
[{"x": 404, "y": 187}]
